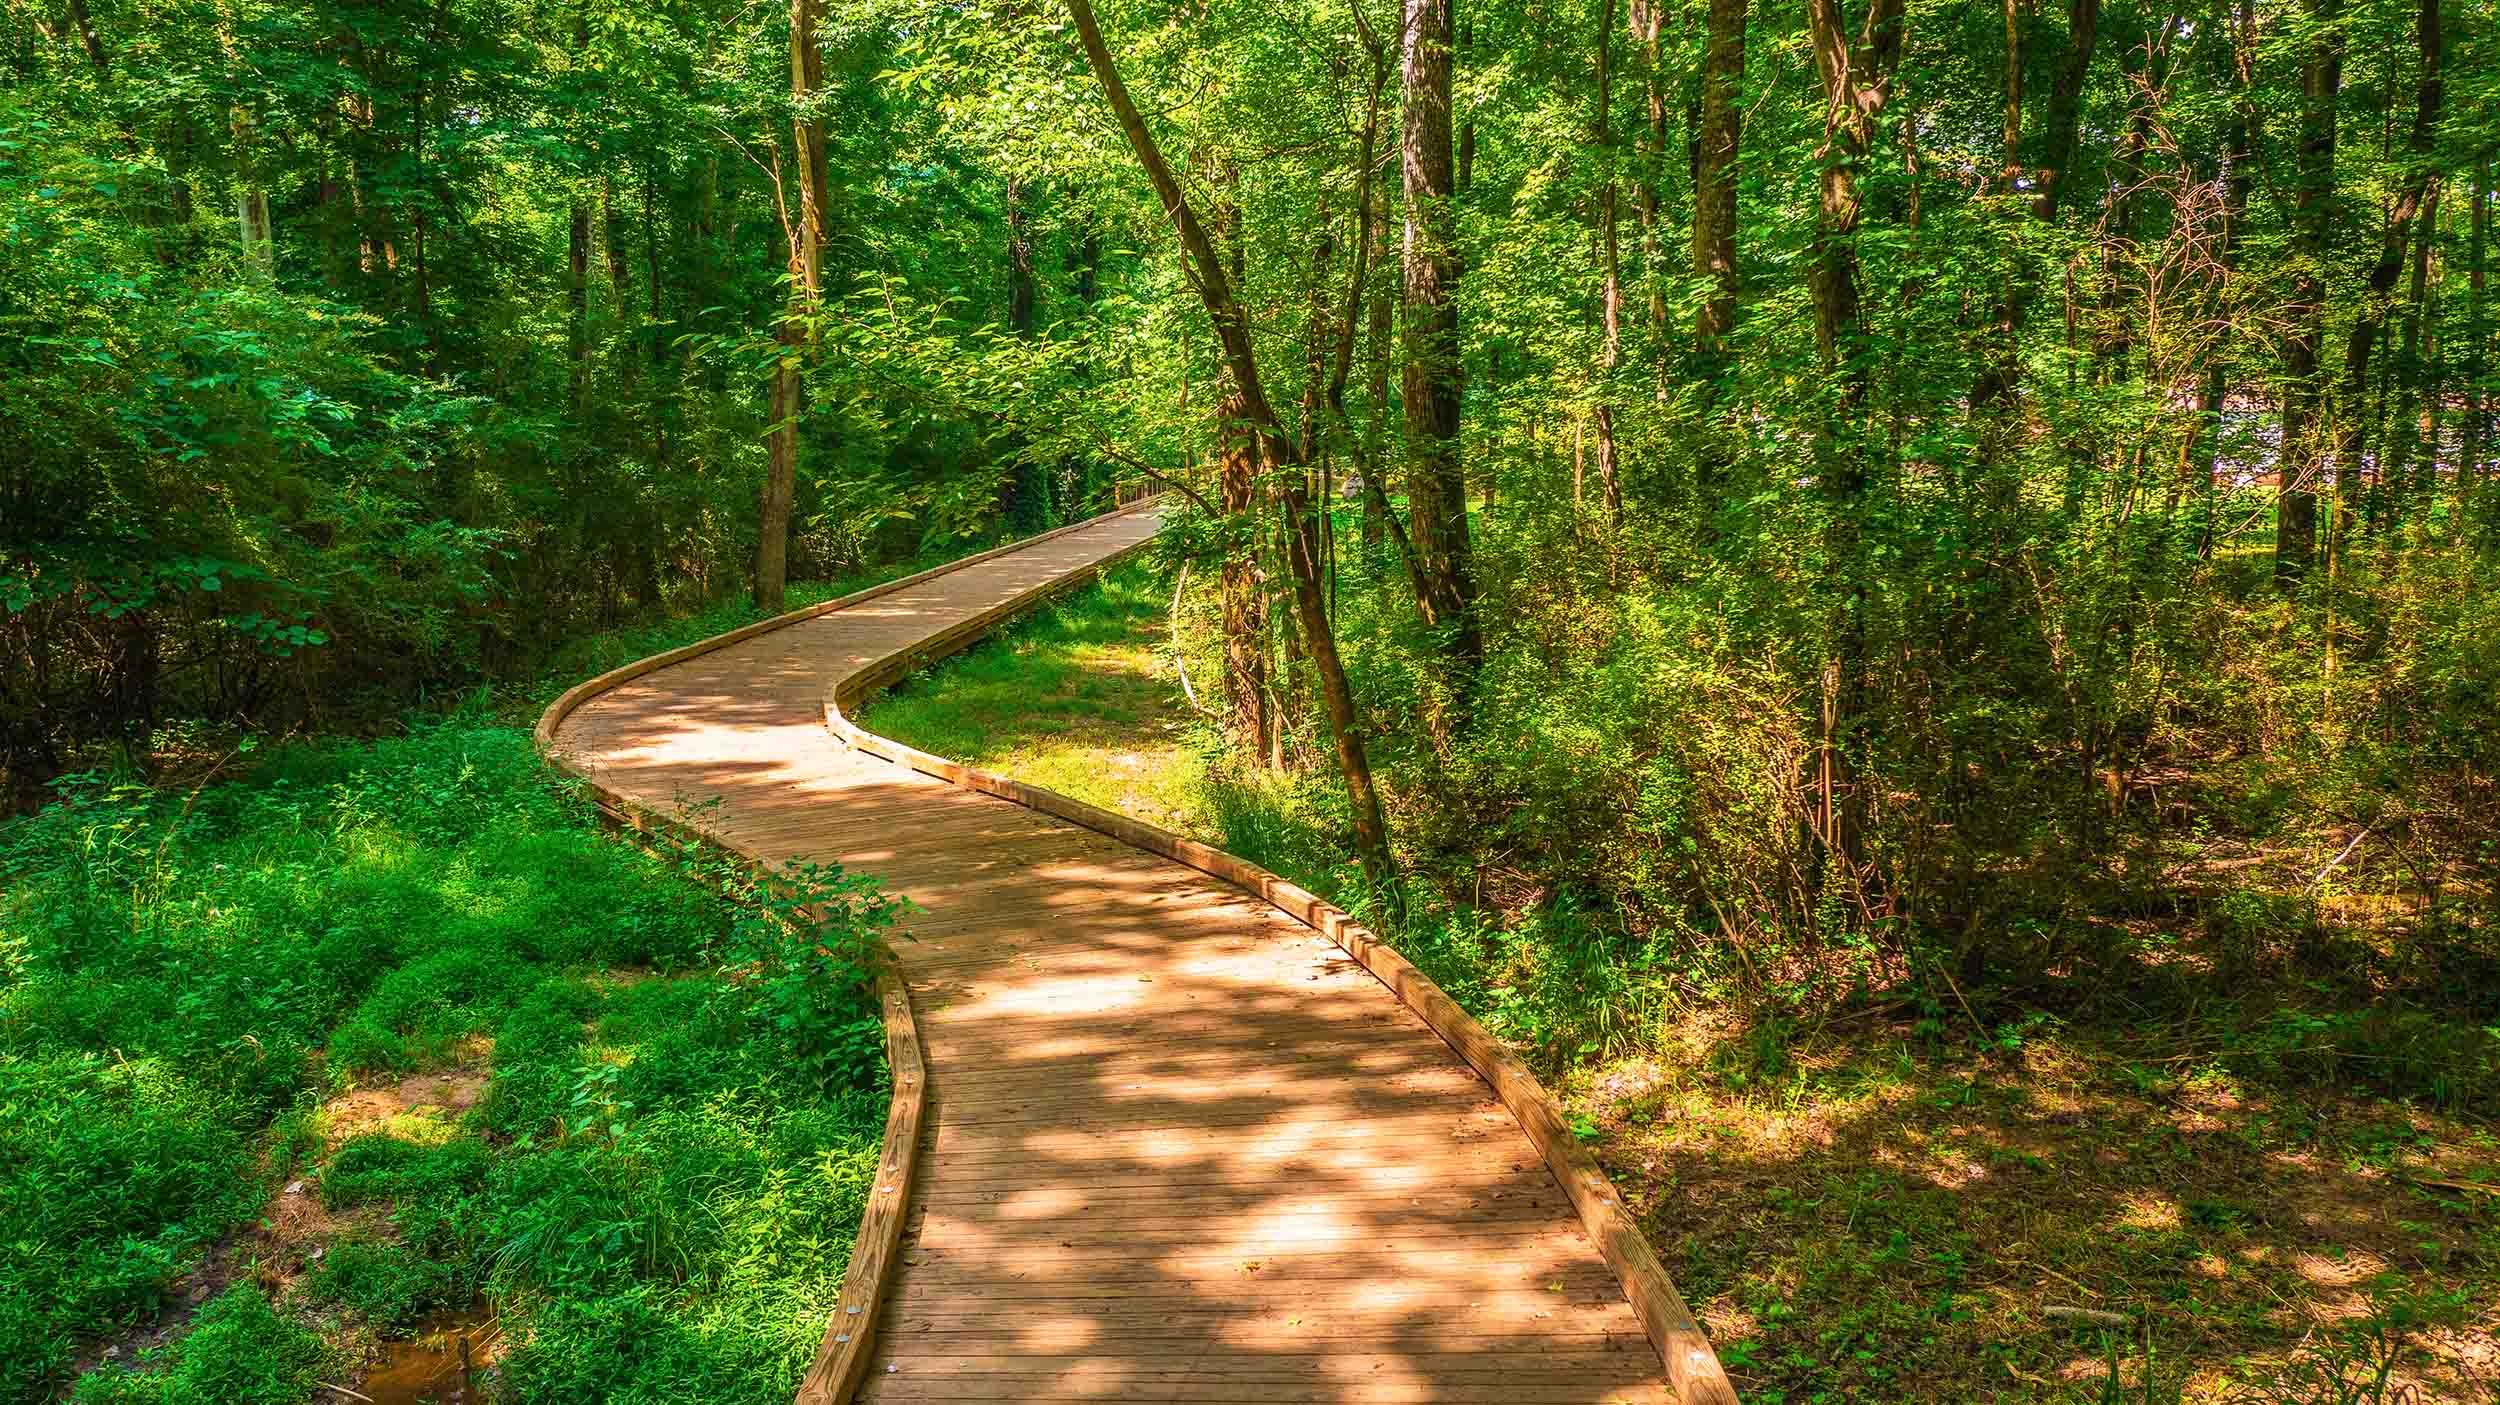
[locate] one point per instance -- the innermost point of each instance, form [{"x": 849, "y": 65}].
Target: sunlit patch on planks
[{"x": 1176, "y": 1145}]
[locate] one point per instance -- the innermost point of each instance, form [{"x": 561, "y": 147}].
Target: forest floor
[
  {"x": 381, "y": 1069},
  {"x": 1983, "y": 1202}
]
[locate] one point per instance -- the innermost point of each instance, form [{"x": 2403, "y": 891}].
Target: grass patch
[
  {"x": 1082, "y": 697},
  {"x": 385, "y": 1028}
]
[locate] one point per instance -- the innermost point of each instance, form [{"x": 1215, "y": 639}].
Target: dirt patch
[
  {"x": 441, "y": 1095},
  {"x": 295, "y": 1230}
]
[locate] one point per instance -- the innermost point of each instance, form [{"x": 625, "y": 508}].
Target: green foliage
[
  {"x": 239, "y": 1351},
  {"x": 392, "y": 1287},
  {"x": 691, "y": 1145},
  {"x": 114, "y": 1173}
]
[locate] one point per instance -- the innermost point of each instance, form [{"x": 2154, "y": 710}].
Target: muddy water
[{"x": 443, "y": 1366}]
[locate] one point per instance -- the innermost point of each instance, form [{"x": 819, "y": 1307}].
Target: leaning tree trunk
[{"x": 1232, "y": 329}]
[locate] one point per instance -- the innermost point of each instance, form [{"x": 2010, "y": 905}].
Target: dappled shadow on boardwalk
[{"x": 1179, "y": 1148}]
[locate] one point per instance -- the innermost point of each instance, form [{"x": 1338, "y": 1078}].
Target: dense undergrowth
[
  {"x": 384, "y": 1030},
  {"x": 2262, "y": 1153}
]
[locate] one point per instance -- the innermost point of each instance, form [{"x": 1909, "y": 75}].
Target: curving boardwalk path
[{"x": 1178, "y": 1147}]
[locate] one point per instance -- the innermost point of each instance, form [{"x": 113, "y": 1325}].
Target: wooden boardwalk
[{"x": 1178, "y": 1147}]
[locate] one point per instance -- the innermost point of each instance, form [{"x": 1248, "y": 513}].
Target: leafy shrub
[
  {"x": 238, "y": 1352},
  {"x": 168, "y": 967},
  {"x": 391, "y": 1286},
  {"x": 379, "y": 1166},
  {"x": 111, "y": 1176}
]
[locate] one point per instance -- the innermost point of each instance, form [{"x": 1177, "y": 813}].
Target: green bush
[
  {"x": 693, "y": 1145},
  {"x": 239, "y": 1351}
]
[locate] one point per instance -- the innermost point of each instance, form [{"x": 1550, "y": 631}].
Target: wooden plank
[{"x": 1122, "y": 1149}]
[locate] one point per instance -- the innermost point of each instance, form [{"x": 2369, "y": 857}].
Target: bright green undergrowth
[
  {"x": 655, "y": 1193},
  {"x": 1080, "y": 697}
]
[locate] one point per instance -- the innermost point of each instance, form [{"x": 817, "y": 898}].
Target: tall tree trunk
[
  {"x": 1024, "y": 493},
  {"x": 2239, "y": 174},
  {"x": 1857, "y": 76},
  {"x": 2304, "y": 449},
  {"x": 1995, "y": 390},
  {"x": 2395, "y": 488},
  {"x": 1714, "y": 225},
  {"x": 1649, "y": 19},
  {"x": 2420, "y": 185},
  {"x": 806, "y": 238},
  {"x": 577, "y": 292},
  {"x": 1610, "y": 267},
  {"x": 1377, "y": 516},
  {"x": 1215, "y": 290},
  {"x": 1436, "y": 478},
  {"x": 2477, "y": 335},
  {"x": 1248, "y": 689}
]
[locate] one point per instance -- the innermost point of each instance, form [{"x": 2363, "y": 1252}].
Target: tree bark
[
  {"x": 1994, "y": 391},
  {"x": 1714, "y": 224},
  {"x": 2414, "y": 376},
  {"x": 1610, "y": 267},
  {"x": 1857, "y": 77},
  {"x": 577, "y": 293},
  {"x": 1649, "y": 18},
  {"x": 1215, "y": 290},
  {"x": 1247, "y": 689},
  {"x": 806, "y": 241},
  {"x": 2303, "y": 460},
  {"x": 2478, "y": 245},
  {"x": 1436, "y": 476},
  {"x": 2420, "y": 185}
]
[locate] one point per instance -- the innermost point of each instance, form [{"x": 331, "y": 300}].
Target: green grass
[
  {"x": 680, "y": 1096},
  {"x": 1081, "y": 697}
]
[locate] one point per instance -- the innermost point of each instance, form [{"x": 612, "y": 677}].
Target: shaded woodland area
[{"x": 1807, "y": 510}]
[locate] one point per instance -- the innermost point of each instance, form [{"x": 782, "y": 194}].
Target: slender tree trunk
[
  {"x": 251, "y": 199},
  {"x": 2418, "y": 187},
  {"x": 1714, "y": 226},
  {"x": 2477, "y": 336},
  {"x": 1649, "y": 18},
  {"x": 1376, "y": 512},
  {"x": 1436, "y": 477},
  {"x": 1857, "y": 76},
  {"x": 2395, "y": 488},
  {"x": 1998, "y": 385},
  {"x": 1215, "y": 290},
  {"x": 577, "y": 292},
  {"x": 2304, "y": 448},
  {"x": 1024, "y": 492},
  {"x": 1245, "y": 653},
  {"x": 806, "y": 238},
  {"x": 1610, "y": 267},
  {"x": 1248, "y": 689}
]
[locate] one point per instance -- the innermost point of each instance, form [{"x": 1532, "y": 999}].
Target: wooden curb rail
[
  {"x": 842, "y": 1356},
  {"x": 1693, "y": 1370}
]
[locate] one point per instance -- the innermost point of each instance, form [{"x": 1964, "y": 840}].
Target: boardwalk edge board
[
  {"x": 842, "y": 1357},
  {"x": 1693, "y": 1370}
]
